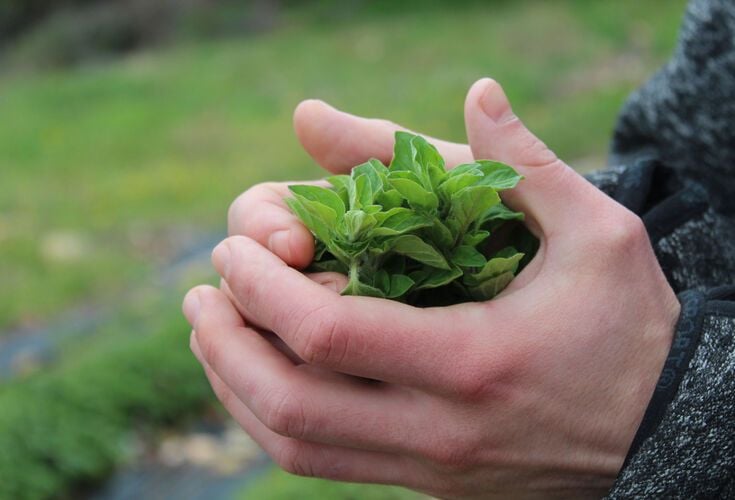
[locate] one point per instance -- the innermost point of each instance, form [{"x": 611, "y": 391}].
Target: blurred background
[{"x": 126, "y": 129}]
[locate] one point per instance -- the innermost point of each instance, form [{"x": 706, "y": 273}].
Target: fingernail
[
  {"x": 221, "y": 259},
  {"x": 279, "y": 244},
  {"x": 494, "y": 103},
  {"x": 333, "y": 285},
  {"x": 191, "y": 307}
]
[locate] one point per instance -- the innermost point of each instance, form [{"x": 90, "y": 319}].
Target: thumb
[
  {"x": 338, "y": 141},
  {"x": 550, "y": 187}
]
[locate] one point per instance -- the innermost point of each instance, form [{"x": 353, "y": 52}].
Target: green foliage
[
  {"x": 68, "y": 426},
  {"x": 413, "y": 226},
  {"x": 278, "y": 485}
]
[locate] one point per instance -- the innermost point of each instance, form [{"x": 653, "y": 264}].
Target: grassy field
[{"x": 109, "y": 170}]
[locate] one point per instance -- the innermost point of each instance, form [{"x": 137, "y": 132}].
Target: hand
[{"x": 537, "y": 393}]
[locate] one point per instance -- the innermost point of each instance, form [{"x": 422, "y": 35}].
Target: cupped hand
[{"x": 537, "y": 393}]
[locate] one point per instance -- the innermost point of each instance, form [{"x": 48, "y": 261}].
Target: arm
[{"x": 684, "y": 115}]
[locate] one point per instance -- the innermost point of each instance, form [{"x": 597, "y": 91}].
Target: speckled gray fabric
[
  {"x": 674, "y": 165},
  {"x": 684, "y": 114},
  {"x": 690, "y": 455},
  {"x": 699, "y": 254}
]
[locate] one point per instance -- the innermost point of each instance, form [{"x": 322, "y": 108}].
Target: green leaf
[
  {"x": 339, "y": 181},
  {"x": 434, "y": 278},
  {"x": 467, "y": 256},
  {"x": 498, "y": 175},
  {"x": 414, "y": 247},
  {"x": 475, "y": 238},
  {"x": 401, "y": 222},
  {"x": 321, "y": 195},
  {"x": 496, "y": 266},
  {"x": 356, "y": 287},
  {"x": 389, "y": 199},
  {"x": 340, "y": 185},
  {"x": 372, "y": 209},
  {"x": 468, "y": 204},
  {"x": 404, "y": 154},
  {"x": 312, "y": 218},
  {"x": 319, "y": 249},
  {"x": 440, "y": 234},
  {"x": 456, "y": 183},
  {"x": 360, "y": 192},
  {"x": 463, "y": 169},
  {"x": 381, "y": 281},
  {"x": 500, "y": 212},
  {"x": 429, "y": 161},
  {"x": 356, "y": 223},
  {"x": 386, "y": 214},
  {"x": 331, "y": 266},
  {"x": 491, "y": 287},
  {"x": 417, "y": 196},
  {"x": 374, "y": 178},
  {"x": 400, "y": 284}
]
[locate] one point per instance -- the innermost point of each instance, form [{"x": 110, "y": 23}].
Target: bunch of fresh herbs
[{"x": 414, "y": 231}]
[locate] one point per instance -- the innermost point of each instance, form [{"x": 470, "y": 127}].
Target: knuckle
[
  {"x": 471, "y": 386},
  {"x": 483, "y": 380},
  {"x": 284, "y": 414},
  {"x": 322, "y": 337},
  {"x": 241, "y": 207},
  {"x": 291, "y": 457},
  {"x": 387, "y": 124},
  {"x": 623, "y": 231},
  {"x": 240, "y": 279}
]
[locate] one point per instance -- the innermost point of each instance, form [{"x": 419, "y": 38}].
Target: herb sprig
[{"x": 414, "y": 231}]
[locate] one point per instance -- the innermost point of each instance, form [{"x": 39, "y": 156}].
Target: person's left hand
[{"x": 537, "y": 393}]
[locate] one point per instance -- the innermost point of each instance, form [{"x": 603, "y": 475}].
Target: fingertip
[
  {"x": 215, "y": 309},
  {"x": 301, "y": 247},
  {"x": 307, "y": 117},
  {"x": 280, "y": 244},
  {"x": 487, "y": 97}
]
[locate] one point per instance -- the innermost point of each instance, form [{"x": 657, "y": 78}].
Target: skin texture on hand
[{"x": 535, "y": 394}]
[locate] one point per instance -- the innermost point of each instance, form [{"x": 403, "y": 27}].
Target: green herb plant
[{"x": 414, "y": 231}]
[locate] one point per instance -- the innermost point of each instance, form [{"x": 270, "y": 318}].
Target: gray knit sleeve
[
  {"x": 689, "y": 452},
  {"x": 685, "y": 115}
]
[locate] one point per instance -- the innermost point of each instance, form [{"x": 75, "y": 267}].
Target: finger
[
  {"x": 319, "y": 460},
  {"x": 300, "y": 402},
  {"x": 339, "y": 141},
  {"x": 551, "y": 191},
  {"x": 261, "y": 214},
  {"x": 333, "y": 281},
  {"x": 363, "y": 336}
]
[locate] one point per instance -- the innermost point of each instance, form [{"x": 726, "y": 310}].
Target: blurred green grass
[
  {"x": 278, "y": 485},
  {"x": 107, "y": 169}
]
